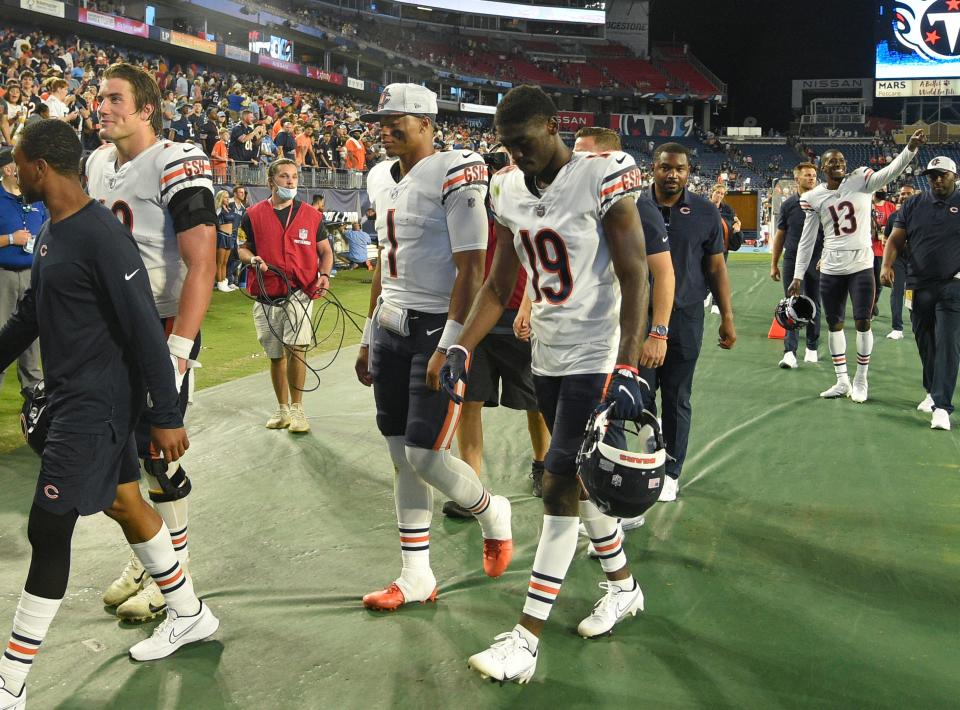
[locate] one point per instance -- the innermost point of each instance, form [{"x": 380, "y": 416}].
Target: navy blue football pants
[
  {"x": 674, "y": 379},
  {"x": 936, "y": 326}
]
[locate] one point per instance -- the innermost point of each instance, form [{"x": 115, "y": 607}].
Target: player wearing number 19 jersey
[
  {"x": 163, "y": 192},
  {"x": 843, "y": 208},
  {"x": 577, "y": 233}
]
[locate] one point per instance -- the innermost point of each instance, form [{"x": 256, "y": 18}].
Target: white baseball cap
[
  {"x": 941, "y": 164},
  {"x": 403, "y": 99}
]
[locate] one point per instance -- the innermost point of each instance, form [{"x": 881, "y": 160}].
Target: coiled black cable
[{"x": 341, "y": 317}]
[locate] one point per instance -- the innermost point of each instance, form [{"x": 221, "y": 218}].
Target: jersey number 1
[
  {"x": 849, "y": 217},
  {"x": 556, "y": 263},
  {"x": 392, "y": 248}
]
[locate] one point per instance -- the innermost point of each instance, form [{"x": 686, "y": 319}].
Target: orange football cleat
[
  {"x": 496, "y": 556},
  {"x": 391, "y": 598}
]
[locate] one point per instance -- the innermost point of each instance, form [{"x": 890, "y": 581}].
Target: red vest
[{"x": 292, "y": 248}]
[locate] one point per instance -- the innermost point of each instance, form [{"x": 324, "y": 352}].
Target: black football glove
[
  {"x": 625, "y": 392},
  {"x": 454, "y": 371}
]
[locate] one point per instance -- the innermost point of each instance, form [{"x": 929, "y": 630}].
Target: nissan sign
[{"x": 573, "y": 121}]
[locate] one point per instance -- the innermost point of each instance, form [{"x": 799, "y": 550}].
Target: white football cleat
[
  {"x": 671, "y": 486},
  {"x": 926, "y": 405},
  {"x": 788, "y": 361},
  {"x": 810, "y": 356},
  {"x": 509, "y": 659},
  {"x": 841, "y": 389},
  {"x": 146, "y": 604},
  {"x": 9, "y": 701},
  {"x": 858, "y": 393},
  {"x": 615, "y": 606},
  {"x": 174, "y": 632},
  {"x": 940, "y": 420},
  {"x": 130, "y": 581},
  {"x": 895, "y": 335},
  {"x": 632, "y": 523}
]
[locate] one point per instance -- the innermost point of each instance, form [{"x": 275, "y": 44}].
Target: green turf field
[
  {"x": 230, "y": 347},
  {"x": 811, "y": 560}
]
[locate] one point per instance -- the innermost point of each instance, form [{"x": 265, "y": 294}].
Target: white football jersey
[
  {"x": 417, "y": 224},
  {"x": 560, "y": 240},
  {"x": 846, "y": 216},
  {"x": 139, "y": 194}
]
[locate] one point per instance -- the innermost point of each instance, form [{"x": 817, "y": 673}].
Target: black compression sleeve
[{"x": 192, "y": 206}]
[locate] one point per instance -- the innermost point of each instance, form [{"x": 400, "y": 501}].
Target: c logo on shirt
[
  {"x": 684, "y": 210},
  {"x": 51, "y": 491},
  {"x": 954, "y": 210},
  {"x": 43, "y": 250}
]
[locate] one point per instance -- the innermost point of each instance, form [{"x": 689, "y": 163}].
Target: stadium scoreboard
[{"x": 917, "y": 48}]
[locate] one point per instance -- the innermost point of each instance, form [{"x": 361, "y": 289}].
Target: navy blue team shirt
[
  {"x": 695, "y": 232},
  {"x": 654, "y": 229},
  {"x": 790, "y": 221},
  {"x": 101, "y": 340},
  {"x": 933, "y": 235}
]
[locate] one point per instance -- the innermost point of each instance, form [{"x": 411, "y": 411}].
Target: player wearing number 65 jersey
[
  {"x": 432, "y": 221},
  {"x": 163, "y": 192},
  {"x": 843, "y": 208},
  {"x": 576, "y": 231}
]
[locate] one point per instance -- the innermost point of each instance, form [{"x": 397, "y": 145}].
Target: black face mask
[{"x": 496, "y": 161}]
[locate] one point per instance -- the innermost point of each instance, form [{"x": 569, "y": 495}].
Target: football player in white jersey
[
  {"x": 843, "y": 208},
  {"x": 163, "y": 192},
  {"x": 576, "y": 230},
  {"x": 432, "y": 222}
]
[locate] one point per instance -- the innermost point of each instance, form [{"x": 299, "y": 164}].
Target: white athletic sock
[
  {"x": 838, "y": 351},
  {"x": 458, "y": 482},
  {"x": 625, "y": 585},
  {"x": 175, "y": 514},
  {"x": 158, "y": 558},
  {"x": 864, "y": 350},
  {"x": 414, "y": 503},
  {"x": 604, "y": 533},
  {"x": 558, "y": 542},
  {"x": 30, "y": 624}
]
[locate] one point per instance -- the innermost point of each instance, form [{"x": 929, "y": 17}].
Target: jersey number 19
[{"x": 552, "y": 260}]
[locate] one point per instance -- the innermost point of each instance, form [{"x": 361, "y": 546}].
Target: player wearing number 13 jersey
[
  {"x": 163, "y": 192},
  {"x": 843, "y": 208},
  {"x": 577, "y": 233}
]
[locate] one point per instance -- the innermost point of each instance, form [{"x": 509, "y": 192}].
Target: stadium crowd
[{"x": 46, "y": 74}]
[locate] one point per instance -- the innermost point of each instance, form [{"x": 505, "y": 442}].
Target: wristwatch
[{"x": 659, "y": 331}]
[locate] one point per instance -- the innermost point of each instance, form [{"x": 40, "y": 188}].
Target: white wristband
[
  {"x": 365, "y": 338},
  {"x": 179, "y": 346},
  {"x": 451, "y": 333}
]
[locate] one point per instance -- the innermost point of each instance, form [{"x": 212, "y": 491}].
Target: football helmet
[
  {"x": 795, "y": 312},
  {"x": 34, "y": 418},
  {"x": 622, "y": 483}
]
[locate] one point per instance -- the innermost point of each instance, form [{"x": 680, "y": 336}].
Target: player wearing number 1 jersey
[
  {"x": 842, "y": 207},
  {"x": 432, "y": 221},
  {"x": 163, "y": 192},
  {"x": 576, "y": 231}
]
